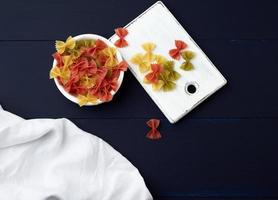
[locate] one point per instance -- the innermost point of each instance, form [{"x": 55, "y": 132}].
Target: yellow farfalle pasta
[
  {"x": 61, "y": 46},
  {"x": 83, "y": 100},
  {"x": 159, "y": 59},
  {"x": 157, "y": 86},
  {"x": 138, "y": 59},
  {"x": 149, "y": 47},
  {"x": 110, "y": 52},
  {"x": 67, "y": 60},
  {"x": 87, "y": 82},
  {"x": 63, "y": 73}
]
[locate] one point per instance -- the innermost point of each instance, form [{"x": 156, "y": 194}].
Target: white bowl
[{"x": 118, "y": 55}]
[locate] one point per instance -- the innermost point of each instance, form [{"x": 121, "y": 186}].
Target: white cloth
[{"x": 48, "y": 159}]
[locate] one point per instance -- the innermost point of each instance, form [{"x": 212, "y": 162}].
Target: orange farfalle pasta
[
  {"x": 176, "y": 53},
  {"x": 121, "y": 33},
  {"x": 153, "y": 134}
]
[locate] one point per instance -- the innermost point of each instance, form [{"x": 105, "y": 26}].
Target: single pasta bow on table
[{"x": 153, "y": 134}]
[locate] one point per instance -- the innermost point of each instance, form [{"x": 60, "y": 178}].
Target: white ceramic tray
[{"x": 159, "y": 26}]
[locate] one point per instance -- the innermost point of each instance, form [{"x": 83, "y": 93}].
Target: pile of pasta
[
  {"x": 87, "y": 69},
  {"x": 158, "y": 70}
]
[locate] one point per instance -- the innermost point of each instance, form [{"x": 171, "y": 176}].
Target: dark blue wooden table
[{"x": 226, "y": 148}]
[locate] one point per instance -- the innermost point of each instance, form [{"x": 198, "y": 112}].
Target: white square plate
[{"x": 159, "y": 26}]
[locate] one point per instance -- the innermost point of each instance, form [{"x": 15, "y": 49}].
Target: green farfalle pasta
[
  {"x": 84, "y": 43},
  {"x": 169, "y": 66},
  {"x": 168, "y": 84},
  {"x": 74, "y": 53},
  {"x": 187, "y": 64}
]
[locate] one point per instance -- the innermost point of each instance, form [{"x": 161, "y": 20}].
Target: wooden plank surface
[
  {"x": 250, "y": 67},
  {"x": 213, "y": 19},
  {"x": 226, "y": 148},
  {"x": 229, "y": 160}
]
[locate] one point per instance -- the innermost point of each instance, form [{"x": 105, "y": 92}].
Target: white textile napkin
[{"x": 52, "y": 159}]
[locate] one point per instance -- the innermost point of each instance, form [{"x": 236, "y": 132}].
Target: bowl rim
[{"x": 118, "y": 55}]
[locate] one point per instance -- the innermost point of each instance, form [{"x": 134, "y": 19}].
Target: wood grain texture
[
  {"x": 234, "y": 158},
  {"x": 213, "y": 19},
  {"x": 250, "y": 92},
  {"x": 225, "y": 149}
]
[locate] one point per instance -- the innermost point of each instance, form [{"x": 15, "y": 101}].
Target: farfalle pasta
[
  {"x": 121, "y": 33},
  {"x": 187, "y": 57},
  {"x": 153, "y": 134},
  {"x": 87, "y": 69},
  {"x": 159, "y": 72},
  {"x": 61, "y": 46},
  {"x": 149, "y": 47},
  {"x": 176, "y": 52},
  {"x": 110, "y": 54},
  {"x": 142, "y": 63},
  {"x": 162, "y": 76}
]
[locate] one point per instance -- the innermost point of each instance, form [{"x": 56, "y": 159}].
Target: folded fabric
[{"x": 52, "y": 159}]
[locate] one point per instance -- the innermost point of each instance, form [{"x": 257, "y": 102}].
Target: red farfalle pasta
[
  {"x": 100, "y": 45},
  {"x": 152, "y": 77},
  {"x": 58, "y": 59},
  {"x": 101, "y": 74},
  {"x": 79, "y": 67},
  {"x": 103, "y": 91},
  {"x": 121, "y": 33},
  {"x": 92, "y": 67},
  {"x": 122, "y": 66},
  {"x": 176, "y": 53},
  {"x": 70, "y": 84},
  {"x": 153, "y": 134}
]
